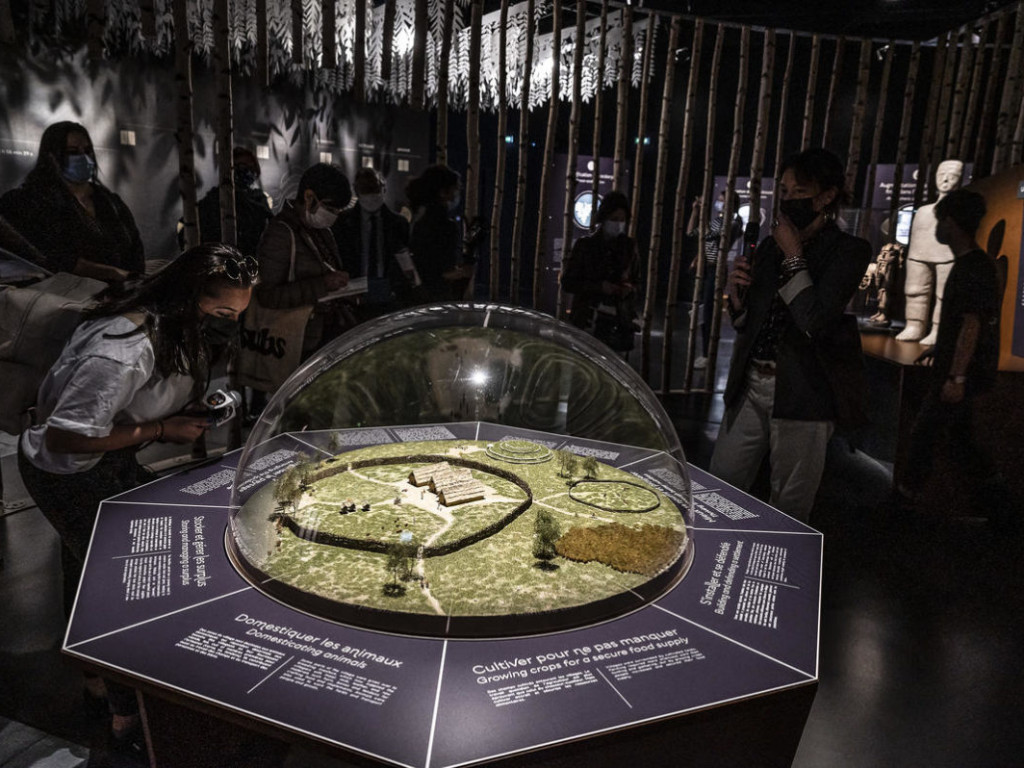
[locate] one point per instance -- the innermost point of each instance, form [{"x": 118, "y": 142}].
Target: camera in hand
[{"x": 221, "y": 406}]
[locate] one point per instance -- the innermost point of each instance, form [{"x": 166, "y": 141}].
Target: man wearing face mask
[
  {"x": 298, "y": 257},
  {"x": 796, "y": 369},
  {"x": 71, "y": 220},
  {"x": 252, "y": 209},
  {"x": 373, "y": 241},
  {"x": 603, "y": 275}
]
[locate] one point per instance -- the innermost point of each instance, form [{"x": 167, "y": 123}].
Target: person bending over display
[
  {"x": 797, "y": 357},
  {"x": 126, "y": 378}
]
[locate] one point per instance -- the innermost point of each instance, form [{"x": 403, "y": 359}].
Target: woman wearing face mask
[
  {"x": 126, "y": 378},
  {"x": 434, "y": 236},
  {"x": 603, "y": 274},
  {"x": 65, "y": 212},
  {"x": 796, "y": 367},
  {"x": 299, "y": 259}
]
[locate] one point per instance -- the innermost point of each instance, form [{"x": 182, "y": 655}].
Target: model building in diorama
[{"x": 402, "y": 535}]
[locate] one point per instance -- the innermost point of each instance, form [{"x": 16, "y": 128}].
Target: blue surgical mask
[{"x": 79, "y": 168}]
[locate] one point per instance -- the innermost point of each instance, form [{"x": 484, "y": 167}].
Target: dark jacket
[
  {"x": 435, "y": 243},
  {"x": 251, "y": 216},
  {"x": 819, "y": 368},
  {"x": 594, "y": 261},
  {"x": 47, "y": 215},
  {"x": 394, "y": 229}
]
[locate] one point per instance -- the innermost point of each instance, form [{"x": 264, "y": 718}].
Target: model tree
[
  {"x": 398, "y": 567},
  {"x": 545, "y": 534},
  {"x": 590, "y": 467},
  {"x": 572, "y": 463},
  {"x": 286, "y": 489}
]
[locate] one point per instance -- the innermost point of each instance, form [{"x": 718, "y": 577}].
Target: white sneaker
[{"x": 700, "y": 364}]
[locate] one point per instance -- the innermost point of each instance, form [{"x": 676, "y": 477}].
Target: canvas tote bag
[{"x": 271, "y": 343}]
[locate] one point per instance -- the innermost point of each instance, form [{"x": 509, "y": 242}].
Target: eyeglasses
[{"x": 234, "y": 268}]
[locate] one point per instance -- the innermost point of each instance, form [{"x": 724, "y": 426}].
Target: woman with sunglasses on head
[
  {"x": 796, "y": 366},
  {"x": 65, "y": 212},
  {"x": 298, "y": 256},
  {"x": 126, "y": 378}
]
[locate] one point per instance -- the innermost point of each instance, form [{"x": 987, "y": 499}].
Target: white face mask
[
  {"x": 321, "y": 218},
  {"x": 614, "y": 228},
  {"x": 371, "y": 202}
]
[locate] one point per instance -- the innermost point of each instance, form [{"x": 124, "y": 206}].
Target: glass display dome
[{"x": 463, "y": 470}]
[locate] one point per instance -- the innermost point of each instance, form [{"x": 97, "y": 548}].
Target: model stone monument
[
  {"x": 883, "y": 281},
  {"x": 928, "y": 262}
]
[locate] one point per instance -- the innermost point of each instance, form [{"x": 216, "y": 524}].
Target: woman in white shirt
[{"x": 122, "y": 381}]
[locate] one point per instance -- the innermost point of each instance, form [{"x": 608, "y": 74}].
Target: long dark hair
[
  {"x": 426, "y": 188},
  {"x": 169, "y": 303},
  {"x": 53, "y": 151}
]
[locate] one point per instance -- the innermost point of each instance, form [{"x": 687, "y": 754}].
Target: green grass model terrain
[{"x": 354, "y": 530}]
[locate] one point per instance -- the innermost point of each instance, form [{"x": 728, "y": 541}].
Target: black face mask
[
  {"x": 219, "y": 330},
  {"x": 800, "y": 211}
]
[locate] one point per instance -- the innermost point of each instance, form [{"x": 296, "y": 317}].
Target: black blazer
[
  {"x": 819, "y": 367},
  {"x": 348, "y": 232}
]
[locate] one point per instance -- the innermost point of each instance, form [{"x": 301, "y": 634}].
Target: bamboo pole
[
  {"x": 548, "y": 162},
  {"x": 329, "y": 46},
  {"x": 956, "y": 120},
  {"x": 443, "y": 77},
  {"x": 225, "y": 120},
  {"x": 96, "y": 23},
  {"x": 706, "y": 190},
  {"x": 764, "y": 110},
  {"x": 262, "y": 45},
  {"x": 946, "y": 97},
  {"x": 780, "y": 138},
  {"x": 975, "y": 91},
  {"x": 147, "y": 19},
  {"x": 678, "y": 222},
  {"x": 185, "y": 133},
  {"x": 812, "y": 88},
  {"x": 1009, "y": 104},
  {"x": 574, "y": 143},
  {"x": 387, "y": 40},
  {"x": 837, "y": 68},
  {"x": 860, "y": 103},
  {"x": 906, "y": 114},
  {"x": 602, "y": 50},
  {"x": 358, "y": 48},
  {"x": 876, "y": 140},
  {"x": 931, "y": 117},
  {"x": 641, "y": 123},
  {"x": 502, "y": 149},
  {"x": 524, "y": 145},
  {"x": 989, "y": 105},
  {"x": 625, "y": 77},
  {"x": 660, "y": 174},
  {"x": 419, "y": 56},
  {"x": 472, "y": 178},
  {"x": 7, "y": 34},
  {"x": 729, "y": 211},
  {"x": 298, "y": 25},
  {"x": 1017, "y": 153}
]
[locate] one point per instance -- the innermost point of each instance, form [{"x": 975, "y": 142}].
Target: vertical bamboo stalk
[
  {"x": 443, "y": 78},
  {"x": 780, "y": 138},
  {"x": 574, "y": 142},
  {"x": 956, "y": 120},
  {"x": 625, "y": 77},
  {"x": 971, "y": 112},
  {"x": 262, "y": 45},
  {"x": 524, "y": 156},
  {"x": 329, "y": 46},
  {"x": 730, "y": 210},
  {"x": 539, "y": 262},
  {"x": 641, "y": 123},
  {"x": 147, "y": 18},
  {"x": 602, "y": 50},
  {"x": 764, "y": 111},
  {"x": 706, "y": 189},
  {"x": 906, "y": 114},
  {"x": 989, "y": 106},
  {"x": 660, "y": 174},
  {"x": 1010, "y": 103},
  {"x": 812, "y": 88},
  {"x": 1017, "y": 153},
  {"x": 946, "y": 97},
  {"x": 931, "y": 117},
  {"x": 388, "y": 41},
  {"x": 502, "y": 149},
  {"x": 833, "y": 86},
  {"x": 419, "y": 56},
  {"x": 860, "y": 103},
  {"x": 96, "y": 24},
  {"x": 679, "y": 220},
  {"x": 876, "y": 139},
  {"x": 225, "y": 120},
  {"x": 185, "y": 133},
  {"x": 472, "y": 178},
  {"x": 7, "y": 34},
  {"x": 298, "y": 25},
  {"x": 358, "y": 47}
]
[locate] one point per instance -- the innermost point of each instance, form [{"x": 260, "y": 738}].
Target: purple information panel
[{"x": 161, "y": 602}]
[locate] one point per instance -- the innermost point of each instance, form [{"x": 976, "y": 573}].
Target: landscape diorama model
[{"x": 461, "y": 538}]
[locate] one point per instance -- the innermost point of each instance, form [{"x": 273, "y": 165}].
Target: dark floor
[{"x": 922, "y": 633}]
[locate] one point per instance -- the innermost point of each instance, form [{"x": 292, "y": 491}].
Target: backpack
[{"x": 35, "y": 323}]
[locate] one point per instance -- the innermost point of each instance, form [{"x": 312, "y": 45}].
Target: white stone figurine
[{"x": 928, "y": 262}]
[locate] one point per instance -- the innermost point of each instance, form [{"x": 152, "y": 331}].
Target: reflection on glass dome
[{"x": 463, "y": 470}]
